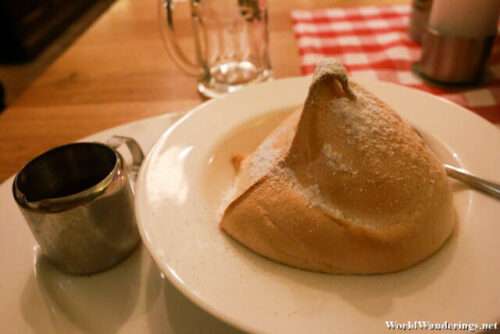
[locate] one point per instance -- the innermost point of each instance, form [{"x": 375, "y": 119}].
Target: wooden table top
[{"x": 119, "y": 72}]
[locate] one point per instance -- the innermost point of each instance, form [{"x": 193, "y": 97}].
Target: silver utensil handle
[{"x": 489, "y": 187}]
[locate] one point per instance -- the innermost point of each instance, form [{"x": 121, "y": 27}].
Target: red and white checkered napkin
[{"x": 373, "y": 42}]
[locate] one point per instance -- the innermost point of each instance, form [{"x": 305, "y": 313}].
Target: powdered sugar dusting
[
  {"x": 312, "y": 192},
  {"x": 226, "y": 198},
  {"x": 365, "y": 119},
  {"x": 336, "y": 162},
  {"x": 373, "y": 130},
  {"x": 330, "y": 67},
  {"x": 263, "y": 159}
]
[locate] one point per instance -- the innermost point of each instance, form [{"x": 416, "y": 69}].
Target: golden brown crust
[
  {"x": 237, "y": 159},
  {"x": 355, "y": 191}
]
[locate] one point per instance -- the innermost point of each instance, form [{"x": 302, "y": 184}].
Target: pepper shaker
[{"x": 457, "y": 41}]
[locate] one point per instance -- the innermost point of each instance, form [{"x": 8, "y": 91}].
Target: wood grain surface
[{"x": 119, "y": 71}]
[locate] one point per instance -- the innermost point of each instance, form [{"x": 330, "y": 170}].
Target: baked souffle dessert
[{"x": 343, "y": 185}]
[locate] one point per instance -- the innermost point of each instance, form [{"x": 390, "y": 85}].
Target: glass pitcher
[{"x": 231, "y": 43}]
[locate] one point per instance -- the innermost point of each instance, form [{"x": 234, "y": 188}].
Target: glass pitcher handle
[{"x": 170, "y": 40}]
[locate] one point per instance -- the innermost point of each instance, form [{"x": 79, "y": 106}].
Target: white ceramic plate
[{"x": 182, "y": 184}]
